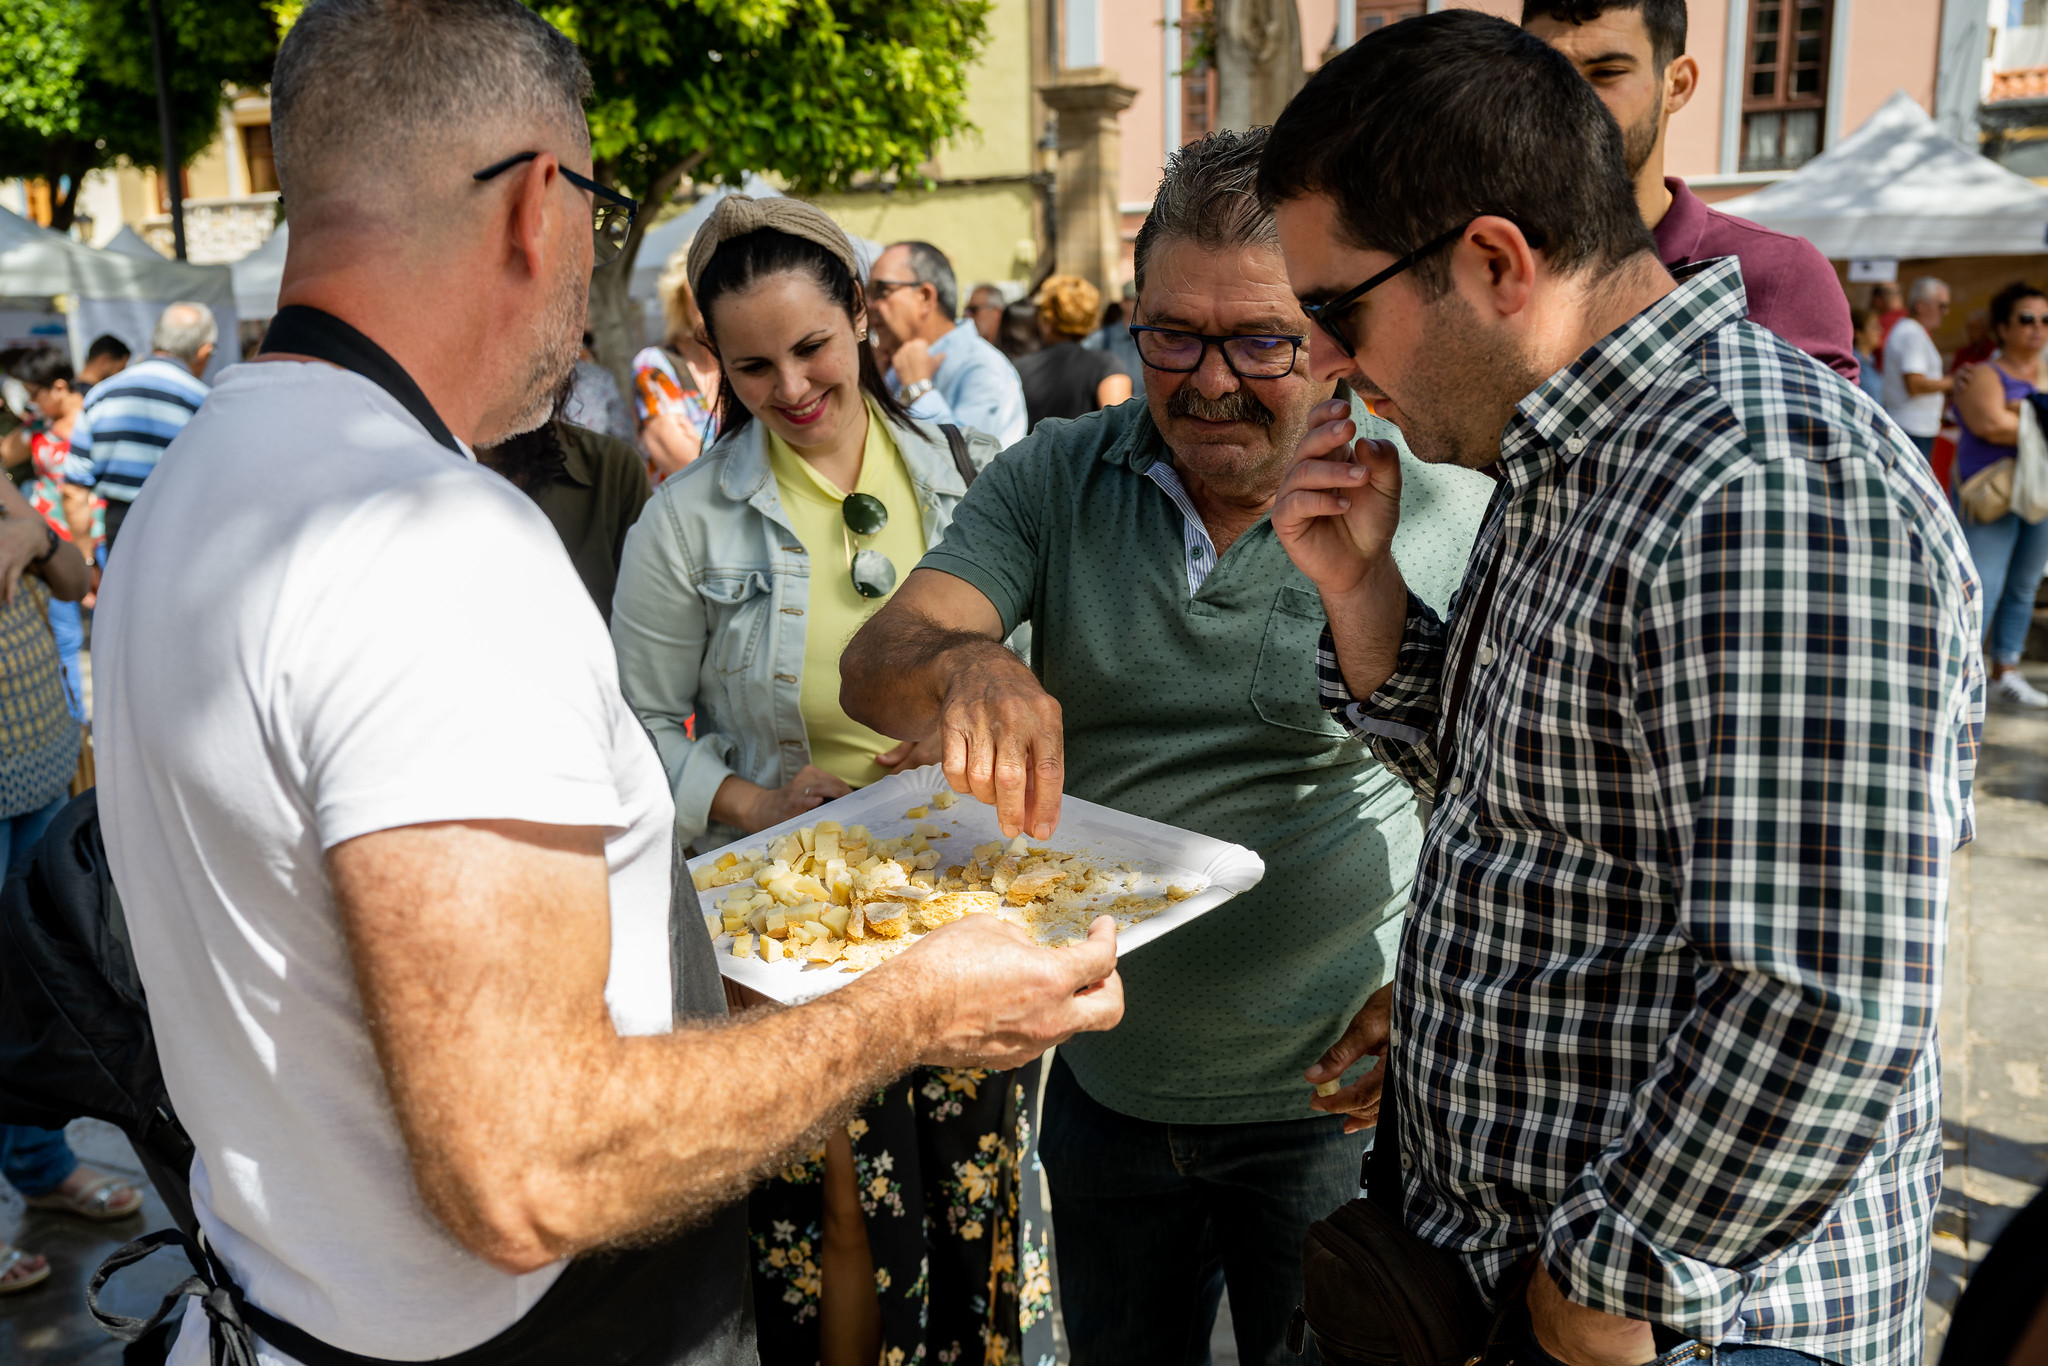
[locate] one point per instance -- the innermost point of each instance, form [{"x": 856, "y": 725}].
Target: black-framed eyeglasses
[
  {"x": 1250, "y": 356},
  {"x": 874, "y": 574},
  {"x": 611, "y": 216},
  {"x": 1329, "y": 316}
]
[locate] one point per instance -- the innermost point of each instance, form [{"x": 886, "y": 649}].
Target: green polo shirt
[{"x": 1201, "y": 711}]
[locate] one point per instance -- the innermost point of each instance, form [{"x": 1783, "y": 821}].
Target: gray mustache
[{"x": 1236, "y": 406}]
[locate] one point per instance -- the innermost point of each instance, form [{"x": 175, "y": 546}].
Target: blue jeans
[
  {"x": 34, "y": 1161},
  {"x": 1734, "y": 1353},
  {"x": 1152, "y": 1220},
  {"x": 69, "y": 628},
  {"x": 2010, "y": 556},
  {"x": 18, "y": 834}
]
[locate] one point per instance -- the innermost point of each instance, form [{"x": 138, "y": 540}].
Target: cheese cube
[
  {"x": 807, "y": 837},
  {"x": 726, "y": 860},
  {"x": 835, "y": 920},
  {"x": 743, "y": 945},
  {"x": 714, "y": 923},
  {"x": 1329, "y": 1088},
  {"x": 916, "y": 813},
  {"x": 776, "y": 926},
  {"x": 771, "y": 949},
  {"x": 701, "y": 877},
  {"x": 944, "y": 800},
  {"x": 827, "y": 846}
]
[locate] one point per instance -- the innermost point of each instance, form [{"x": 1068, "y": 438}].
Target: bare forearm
[
  {"x": 655, "y": 1134},
  {"x": 895, "y": 675},
  {"x": 1366, "y": 627},
  {"x": 1921, "y": 385}
]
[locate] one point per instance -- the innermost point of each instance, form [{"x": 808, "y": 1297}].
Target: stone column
[{"x": 1087, "y": 102}]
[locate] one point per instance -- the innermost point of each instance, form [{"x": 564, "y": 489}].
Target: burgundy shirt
[{"x": 1792, "y": 289}]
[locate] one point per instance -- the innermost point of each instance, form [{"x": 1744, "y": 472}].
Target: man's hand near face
[
  {"x": 914, "y": 361},
  {"x": 1338, "y": 509}
]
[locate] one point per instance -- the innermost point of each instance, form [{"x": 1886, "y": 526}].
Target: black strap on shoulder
[
  {"x": 301, "y": 330},
  {"x": 961, "y": 463}
]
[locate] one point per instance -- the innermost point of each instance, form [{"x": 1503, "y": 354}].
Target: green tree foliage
[
  {"x": 819, "y": 92},
  {"x": 77, "y": 89}
]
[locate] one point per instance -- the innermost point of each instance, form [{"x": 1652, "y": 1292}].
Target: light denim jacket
[{"x": 708, "y": 617}]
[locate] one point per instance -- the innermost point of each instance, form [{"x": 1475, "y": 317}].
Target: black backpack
[{"x": 75, "y": 1037}]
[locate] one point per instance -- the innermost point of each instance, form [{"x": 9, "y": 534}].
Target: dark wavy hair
[
  {"x": 741, "y": 261},
  {"x": 2006, "y": 300}
]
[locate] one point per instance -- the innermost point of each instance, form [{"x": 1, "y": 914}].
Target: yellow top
[{"x": 839, "y": 744}]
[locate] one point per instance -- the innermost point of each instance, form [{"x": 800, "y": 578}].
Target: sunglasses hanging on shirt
[{"x": 874, "y": 575}]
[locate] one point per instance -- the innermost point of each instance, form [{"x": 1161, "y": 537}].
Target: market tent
[
  {"x": 108, "y": 291},
  {"x": 257, "y": 275},
  {"x": 666, "y": 239},
  {"x": 1897, "y": 187},
  {"x": 128, "y": 242}
]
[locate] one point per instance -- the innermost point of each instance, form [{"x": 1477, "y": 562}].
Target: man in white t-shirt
[
  {"x": 1914, "y": 386},
  {"x": 395, "y": 854}
]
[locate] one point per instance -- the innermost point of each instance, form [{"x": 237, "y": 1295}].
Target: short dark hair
[
  {"x": 43, "y": 367},
  {"x": 2006, "y": 300},
  {"x": 107, "y": 344},
  {"x": 1208, "y": 196},
  {"x": 738, "y": 262},
  {"x": 1663, "y": 20},
  {"x": 929, "y": 266},
  {"x": 1427, "y": 124}
]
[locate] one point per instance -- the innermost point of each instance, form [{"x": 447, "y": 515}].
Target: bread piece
[
  {"x": 886, "y": 919},
  {"x": 950, "y": 906}
]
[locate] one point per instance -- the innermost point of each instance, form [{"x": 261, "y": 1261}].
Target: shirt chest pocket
[
  {"x": 736, "y": 609},
  {"x": 1284, "y": 683}
]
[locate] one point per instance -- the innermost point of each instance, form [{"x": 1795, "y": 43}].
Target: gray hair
[
  {"x": 1923, "y": 288},
  {"x": 1208, "y": 196},
  {"x": 184, "y": 330},
  {"x": 378, "y": 82},
  {"x": 929, "y": 266}
]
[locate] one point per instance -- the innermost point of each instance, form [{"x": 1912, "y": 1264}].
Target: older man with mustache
[{"x": 1172, "y": 675}]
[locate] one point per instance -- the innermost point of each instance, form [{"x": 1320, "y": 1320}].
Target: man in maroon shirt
[{"x": 1633, "y": 53}]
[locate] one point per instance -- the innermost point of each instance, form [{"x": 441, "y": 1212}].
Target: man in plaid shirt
[{"x": 1665, "y": 1011}]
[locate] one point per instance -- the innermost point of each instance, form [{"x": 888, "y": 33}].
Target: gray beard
[{"x": 551, "y": 364}]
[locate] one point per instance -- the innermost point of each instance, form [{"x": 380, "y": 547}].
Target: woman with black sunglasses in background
[{"x": 740, "y": 584}]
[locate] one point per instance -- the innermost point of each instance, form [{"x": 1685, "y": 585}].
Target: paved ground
[{"x": 1994, "y": 1031}]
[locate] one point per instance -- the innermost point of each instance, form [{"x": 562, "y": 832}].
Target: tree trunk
[
  {"x": 69, "y": 158},
  {"x": 610, "y": 318},
  {"x": 1258, "y": 61}
]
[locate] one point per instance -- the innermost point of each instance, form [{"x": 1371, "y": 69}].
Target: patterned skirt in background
[{"x": 947, "y": 1166}]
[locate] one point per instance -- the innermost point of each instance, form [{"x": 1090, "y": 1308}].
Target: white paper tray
[{"x": 1223, "y": 869}]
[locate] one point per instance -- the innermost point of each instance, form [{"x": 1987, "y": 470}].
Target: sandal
[
  {"x": 105, "y": 1198},
  {"x": 12, "y": 1257}
]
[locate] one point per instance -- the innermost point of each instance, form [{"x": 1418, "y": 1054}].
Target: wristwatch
[
  {"x": 49, "y": 549},
  {"x": 913, "y": 391}
]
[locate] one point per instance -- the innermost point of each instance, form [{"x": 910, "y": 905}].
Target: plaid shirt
[{"x": 1666, "y": 1000}]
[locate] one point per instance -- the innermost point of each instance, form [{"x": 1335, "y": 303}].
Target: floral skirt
[{"x": 947, "y": 1167}]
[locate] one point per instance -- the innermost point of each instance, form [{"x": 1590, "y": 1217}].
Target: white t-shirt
[
  {"x": 1910, "y": 351},
  {"x": 321, "y": 623}
]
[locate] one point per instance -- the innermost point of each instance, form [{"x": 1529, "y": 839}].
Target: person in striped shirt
[{"x": 131, "y": 418}]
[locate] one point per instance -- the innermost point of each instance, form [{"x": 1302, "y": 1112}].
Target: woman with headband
[{"x": 741, "y": 583}]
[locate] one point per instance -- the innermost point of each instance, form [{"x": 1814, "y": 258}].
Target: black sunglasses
[
  {"x": 1327, "y": 315},
  {"x": 874, "y": 574},
  {"x": 611, "y": 216}
]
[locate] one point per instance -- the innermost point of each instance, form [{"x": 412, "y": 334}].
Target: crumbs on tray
[{"x": 831, "y": 894}]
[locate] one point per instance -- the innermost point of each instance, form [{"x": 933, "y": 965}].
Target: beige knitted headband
[{"x": 737, "y": 215}]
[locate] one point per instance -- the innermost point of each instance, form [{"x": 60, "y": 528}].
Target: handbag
[{"x": 2030, "y": 464}]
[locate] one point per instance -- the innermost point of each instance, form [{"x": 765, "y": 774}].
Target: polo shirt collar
[
  {"x": 1679, "y": 231},
  {"x": 1140, "y": 446},
  {"x": 945, "y": 343},
  {"x": 1556, "y": 422}
]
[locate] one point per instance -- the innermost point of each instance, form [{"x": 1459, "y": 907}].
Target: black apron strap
[
  {"x": 299, "y": 330},
  {"x": 961, "y": 462}
]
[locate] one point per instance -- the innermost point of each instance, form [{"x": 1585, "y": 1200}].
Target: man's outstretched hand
[
  {"x": 1004, "y": 744},
  {"x": 1001, "y": 999}
]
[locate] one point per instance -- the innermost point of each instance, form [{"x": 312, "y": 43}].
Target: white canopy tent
[
  {"x": 666, "y": 239},
  {"x": 128, "y": 242},
  {"x": 1899, "y": 188},
  {"x": 109, "y": 291},
  {"x": 258, "y": 274}
]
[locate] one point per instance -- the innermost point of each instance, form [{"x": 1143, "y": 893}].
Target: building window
[
  {"x": 256, "y": 155},
  {"x": 1197, "y": 72},
  {"x": 1374, "y": 15},
  {"x": 1787, "y": 83}
]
